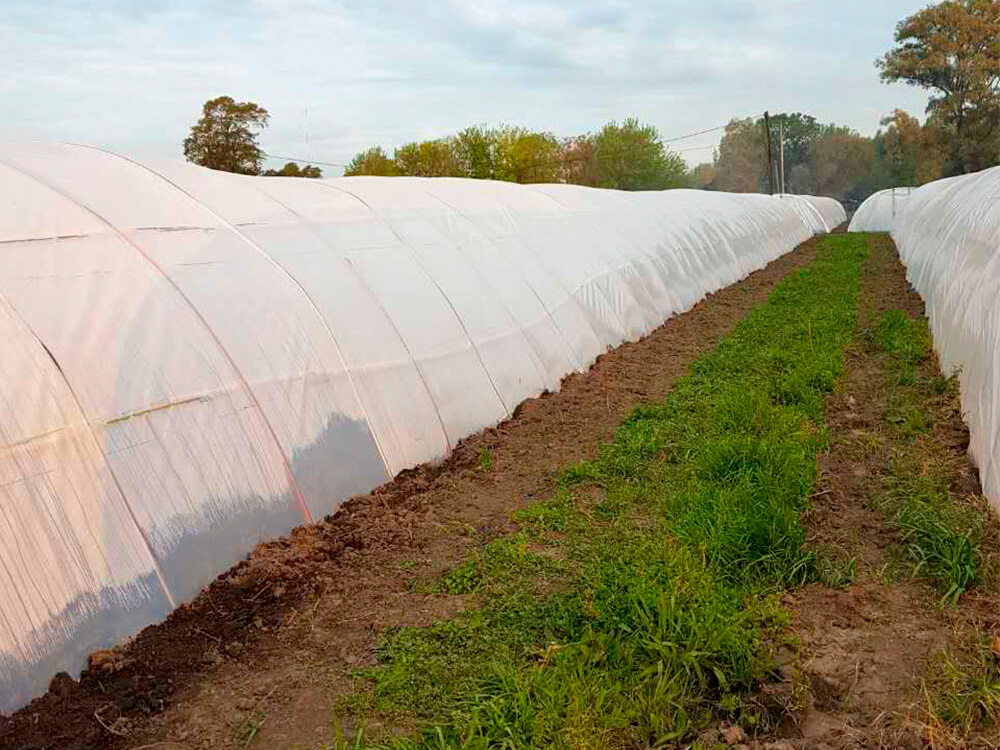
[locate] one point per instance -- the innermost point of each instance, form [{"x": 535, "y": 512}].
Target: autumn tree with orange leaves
[
  {"x": 911, "y": 153},
  {"x": 953, "y": 50}
]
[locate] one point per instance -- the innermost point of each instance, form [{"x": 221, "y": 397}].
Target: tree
[
  {"x": 899, "y": 147},
  {"x": 475, "y": 151},
  {"x": 579, "y": 161},
  {"x": 225, "y": 137},
  {"x": 291, "y": 169},
  {"x": 841, "y": 161},
  {"x": 953, "y": 50},
  {"x": 427, "y": 159},
  {"x": 822, "y": 158},
  {"x": 800, "y": 132},
  {"x": 525, "y": 156},
  {"x": 702, "y": 177},
  {"x": 935, "y": 144},
  {"x": 374, "y": 161},
  {"x": 631, "y": 156},
  {"x": 909, "y": 153},
  {"x": 741, "y": 161},
  {"x": 801, "y": 178}
]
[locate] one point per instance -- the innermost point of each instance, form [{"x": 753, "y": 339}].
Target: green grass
[
  {"x": 940, "y": 539},
  {"x": 902, "y": 336},
  {"x": 963, "y": 691},
  {"x": 641, "y": 601},
  {"x": 494, "y": 564}
]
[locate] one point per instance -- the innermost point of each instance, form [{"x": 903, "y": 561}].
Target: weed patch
[
  {"x": 898, "y": 334},
  {"x": 963, "y": 692},
  {"x": 939, "y": 539},
  {"x": 674, "y": 546}
]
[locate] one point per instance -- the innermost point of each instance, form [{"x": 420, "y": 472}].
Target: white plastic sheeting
[
  {"x": 948, "y": 235},
  {"x": 194, "y": 361},
  {"x": 821, "y": 214},
  {"x": 879, "y": 210}
]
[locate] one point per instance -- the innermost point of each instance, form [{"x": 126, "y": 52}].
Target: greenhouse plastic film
[
  {"x": 197, "y": 361},
  {"x": 948, "y": 235},
  {"x": 879, "y": 210},
  {"x": 820, "y": 213}
]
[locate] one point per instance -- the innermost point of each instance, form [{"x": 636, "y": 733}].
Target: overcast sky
[{"x": 131, "y": 75}]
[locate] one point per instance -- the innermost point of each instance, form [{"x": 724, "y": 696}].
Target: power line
[
  {"x": 305, "y": 161},
  {"x": 700, "y": 132},
  {"x": 673, "y": 139},
  {"x": 693, "y": 148}
]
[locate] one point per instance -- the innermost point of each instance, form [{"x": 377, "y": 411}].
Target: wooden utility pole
[
  {"x": 770, "y": 156},
  {"x": 781, "y": 157}
]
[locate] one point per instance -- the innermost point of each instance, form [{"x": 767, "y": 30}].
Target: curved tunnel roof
[
  {"x": 195, "y": 361},
  {"x": 948, "y": 235},
  {"x": 820, "y": 213},
  {"x": 879, "y": 210}
]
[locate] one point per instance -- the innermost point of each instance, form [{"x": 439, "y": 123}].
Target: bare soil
[{"x": 261, "y": 656}]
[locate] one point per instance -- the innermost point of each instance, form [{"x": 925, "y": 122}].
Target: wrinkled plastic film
[
  {"x": 879, "y": 210},
  {"x": 948, "y": 236},
  {"x": 820, "y": 213},
  {"x": 197, "y": 361}
]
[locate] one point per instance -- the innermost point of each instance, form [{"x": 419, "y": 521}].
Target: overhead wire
[
  {"x": 304, "y": 161},
  {"x": 564, "y": 160}
]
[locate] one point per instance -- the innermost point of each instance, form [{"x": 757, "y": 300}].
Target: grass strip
[
  {"x": 641, "y": 601},
  {"x": 940, "y": 539},
  {"x": 962, "y": 693}
]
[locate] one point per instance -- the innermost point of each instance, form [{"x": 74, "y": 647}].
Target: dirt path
[{"x": 260, "y": 658}]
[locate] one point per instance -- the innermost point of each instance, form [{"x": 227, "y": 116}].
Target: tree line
[
  {"x": 951, "y": 49},
  {"x": 626, "y": 156},
  {"x": 819, "y": 158},
  {"x": 826, "y": 158}
]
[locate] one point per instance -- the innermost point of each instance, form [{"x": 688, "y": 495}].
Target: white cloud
[{"x": 132, "y": 74}]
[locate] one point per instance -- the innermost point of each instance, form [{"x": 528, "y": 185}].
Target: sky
[{"x": 340, "y": 75}]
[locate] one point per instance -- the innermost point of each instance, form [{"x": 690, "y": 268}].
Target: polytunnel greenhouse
[
  {"x": 879, "y": 210},
  {"x": 819, "y": 213},
  {"x": 195, "y": 361},
  {"x": 948, "y": 235}
]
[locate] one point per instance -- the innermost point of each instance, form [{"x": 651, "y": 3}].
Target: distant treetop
[
  {"x": 627, "y": 156},
  {"x": 291, "y": 169},
  {"x": 225, "y": 137},
  {"x": 953, "y": 50}
]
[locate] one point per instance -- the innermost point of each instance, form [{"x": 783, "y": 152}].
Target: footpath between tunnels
[{"x": 389, "y": 615}]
